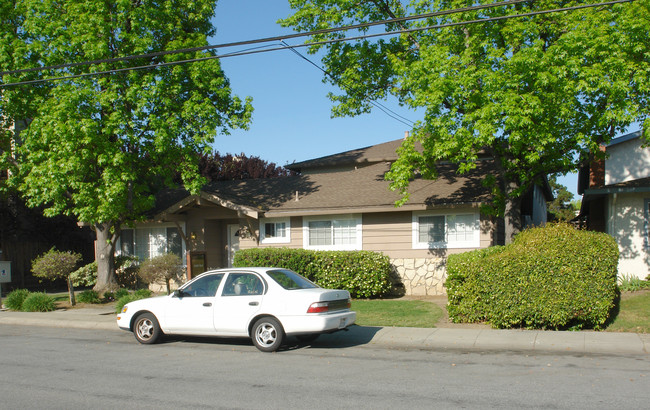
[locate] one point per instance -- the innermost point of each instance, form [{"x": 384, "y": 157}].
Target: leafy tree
[
  {"x": 54, "y": 264},
  {"x": 217, "y": 167},
  {"x": 562, "y": 207},
  {"x": 165, "y": 268},
  {"x": 538, "y": 94},
  {"x": 99, "y": 147}
]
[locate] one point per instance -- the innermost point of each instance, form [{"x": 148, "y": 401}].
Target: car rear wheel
[
  {"x": 268, "y": 334},
  {"x": 146, "y": 329}
]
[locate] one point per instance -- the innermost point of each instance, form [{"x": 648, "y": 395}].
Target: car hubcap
[
  {"x": 145, "y": 329},
  {"x": 266, "y": 334}
]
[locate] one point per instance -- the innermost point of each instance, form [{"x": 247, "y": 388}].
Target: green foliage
[
  {"x": 362, "y": 273},
  {"x": 88, "y": 296},
  {"x": 556, "y": 277},
  {"x": 100, "y": 147},
  {"x": 130, "y": 297},
  {"x": 164, "y": 268},
  {"x": 38, "y": 302},
  {"x": 15, "y": 299},
  {"x": 562, "y": 207},
  {"x": 121, "y": 292},
  {"x": 85, "y": 275},
  {"x": 126, "y": 270},
  {"x": 143, "y": 293},
  {"x": 55, "y": 264},
  {"x": 538, "y": 94},
  {"x": 629, "y": 283}
]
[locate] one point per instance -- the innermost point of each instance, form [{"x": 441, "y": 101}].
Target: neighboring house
[
  {"x": 338, "y": 202},
  {"x": 616, "y": 200}
]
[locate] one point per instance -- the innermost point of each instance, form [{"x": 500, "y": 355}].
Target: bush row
[
  {"x": 556, "y": 277},
  {"x": 362, "y": 273},
  {"x": 26, "y": 301}
]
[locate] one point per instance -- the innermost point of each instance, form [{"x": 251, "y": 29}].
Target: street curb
[{"x": 475, "y": 340}]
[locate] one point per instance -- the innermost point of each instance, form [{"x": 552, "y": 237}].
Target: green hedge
[
  {"x": 38, "y": 302},
  {"x": 15, "y": 299},
  {"x": 556, "y": 277},
  {"x": 362, "y": 273}
]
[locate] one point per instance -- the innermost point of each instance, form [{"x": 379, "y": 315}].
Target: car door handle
[
  {"x": 207, "y": 304},
  {"x": 253, "y": 303}
]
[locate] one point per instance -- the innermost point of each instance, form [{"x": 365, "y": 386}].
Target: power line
[
  {"x": 264, "y": 49},
  {"x": 269, "y": 39},
  {"x": 375, "y": 103}
]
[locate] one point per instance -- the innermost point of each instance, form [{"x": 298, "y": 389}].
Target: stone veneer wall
[{"x": 421, "y": 276}]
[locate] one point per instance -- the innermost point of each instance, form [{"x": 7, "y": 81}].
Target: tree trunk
[
  {"x": 512, "y": 213},
  {"x": 73, "y": 301},
  {"x": 106, "y": 278}
]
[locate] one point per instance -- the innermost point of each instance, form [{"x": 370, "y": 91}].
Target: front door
[
  {"x": 192, "y": 311},
  {"x": 233, "y": 243}
]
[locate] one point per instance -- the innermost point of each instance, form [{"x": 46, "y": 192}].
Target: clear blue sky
[{"x": 292, "y": 119}]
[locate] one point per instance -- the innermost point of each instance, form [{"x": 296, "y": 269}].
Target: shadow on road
[{"x": 353, "y": 336}]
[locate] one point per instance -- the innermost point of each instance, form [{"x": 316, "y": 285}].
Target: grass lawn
[
  {"x": 634, "y": 315},
  {"x": 401, "y": 313}
]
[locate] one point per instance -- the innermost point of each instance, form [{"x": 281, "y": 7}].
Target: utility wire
[
  {"x": 270, "y": 39},
  {"x": 264, "y": 49},
  {"x": 375, "y": 103}
]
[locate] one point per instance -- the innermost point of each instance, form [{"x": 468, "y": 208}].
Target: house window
[
  {"x": 275, "y": 231},
  {"x": 148, "y": 242},
  {"x": 332, "y": 233},
  {"x": 437, "y": 230}
]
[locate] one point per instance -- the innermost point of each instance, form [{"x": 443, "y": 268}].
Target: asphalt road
[{"x": 56, "y": 368}]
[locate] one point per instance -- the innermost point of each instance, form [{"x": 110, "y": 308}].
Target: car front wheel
[
  {"x": 146, "y": 329},
  {"x": 267, "y": 334}
]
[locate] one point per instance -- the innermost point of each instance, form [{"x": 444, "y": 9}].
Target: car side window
[
  {"x": 243, "y": 284},
  {"x": 204, "y": 287}
]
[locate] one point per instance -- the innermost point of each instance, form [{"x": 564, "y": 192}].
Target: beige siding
[{"x": 391, "y": 234}]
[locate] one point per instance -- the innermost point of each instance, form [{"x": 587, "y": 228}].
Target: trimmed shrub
[
  {"x": 39, "y": 302},
  {"x": 556, "y": 277},
  {"x": 298, "y": 260},
  {"x": 120, "y": 293},
  {"x": 130, "y": 297},
  {"x": 85, "y": 275},
  {"x": 143, "y": 293},
  {"x": 15, "y": 299},
  {"x": 126, "y": 270},
  {"x": 362, "y": 273},
  {"x": 88, "y": 296},
  {"x": 55, "y": 264},
  {"x": 163, "y": 268}
]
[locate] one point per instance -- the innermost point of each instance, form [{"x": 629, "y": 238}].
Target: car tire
[
  {"x": 146, "y": 329},
  {"x": 267, "y": 334},
  {"x": 308, "y": 338}
]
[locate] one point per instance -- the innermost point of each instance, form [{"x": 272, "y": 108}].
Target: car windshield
[{"x": 290, "y": 280}]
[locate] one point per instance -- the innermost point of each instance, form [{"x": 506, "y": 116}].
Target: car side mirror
[{"x": 178, "y": 294}]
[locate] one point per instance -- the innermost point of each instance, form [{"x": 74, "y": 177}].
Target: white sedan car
[{"x": 265, "y": 304}]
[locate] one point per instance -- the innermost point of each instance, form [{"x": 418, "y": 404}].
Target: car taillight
[{"x": 318, "y": 307}]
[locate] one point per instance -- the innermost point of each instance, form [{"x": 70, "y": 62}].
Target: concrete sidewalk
[{"x": 477, "y": 340}]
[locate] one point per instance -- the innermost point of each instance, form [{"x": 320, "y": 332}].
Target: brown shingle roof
[
  {"x": 363, "y": 188},
  {"x": 385, "y": 152}
]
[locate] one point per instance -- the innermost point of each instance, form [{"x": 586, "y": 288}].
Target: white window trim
[
  {"x": 118, "y": 243},
  {"x": 474, "y": 243},
  {"x": 357, "y": 246},
  {"x": 265, "y": 240}
]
